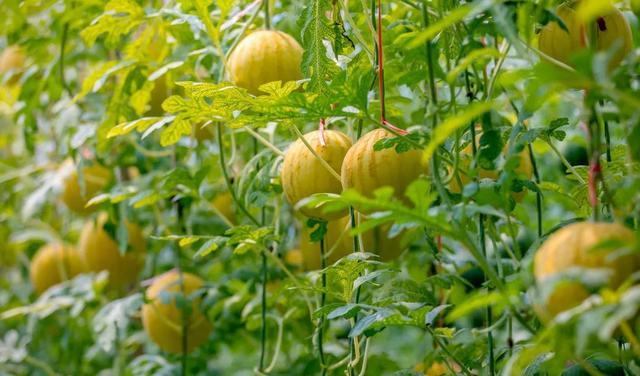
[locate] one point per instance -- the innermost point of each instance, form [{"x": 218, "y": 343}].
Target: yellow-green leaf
[
  {"x": 452, "y": 124},
  {"x": 174, "y": 131}
]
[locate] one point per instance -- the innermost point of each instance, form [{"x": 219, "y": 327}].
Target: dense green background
[{"x": 90, "y": 65}]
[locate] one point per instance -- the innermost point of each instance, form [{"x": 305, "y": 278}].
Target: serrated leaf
[
  {"x": 368, "y": 278},
  {"x": 174, "y": 131},
  {"x": 277, "y": 90},
  {"x": 173, "y": 104},
  {"x": 103, "y": 197},
  {"x": 315, "y": 30},
  {"x": 118, "y": 19}
]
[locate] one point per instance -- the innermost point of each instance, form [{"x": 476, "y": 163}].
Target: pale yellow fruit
[
  {"x": 96, "y": 177},
  {"x": 223, "y": 202},
  {"x": 337, "y": 238},
  {"x": 294, "y": 258},
  {"x": 556, "y": 42},
  {"x": 611, "y": 28},
  {"x": 159, "y": 93},
  {"x": 164, "y": 323},
  {"x": 265, "y": 56},
  {"x": 12, "y": 59},
  {"x": 304, "y": 175},
  {"x": 366, "y": 170},
  {"x": 584, "y": 245},
  {"x": 524, "y": 169},
  {"x": 377, "y": 241},
  {"x": 101, "y": 252},
  {"x": 203, "y": 133},
  {"x": 54, "y": 263},
  {"x": 437, "y": 369}
]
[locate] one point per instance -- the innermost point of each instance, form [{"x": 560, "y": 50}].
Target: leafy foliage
[{"x": 438, "y": 278}]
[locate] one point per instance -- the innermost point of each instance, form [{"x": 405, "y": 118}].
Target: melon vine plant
[{"x": 320, "y": 187}]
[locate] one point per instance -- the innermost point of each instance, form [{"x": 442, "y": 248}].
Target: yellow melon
[
  {"x": 304, "y": 175},
  {"x": 366, "y": 170},
  {"x": 585, "y": 245},
  {"x": 223, "y": 202},
  {"x": 101, "y": 251},
  {"x": 95, "y": 178},
  {"x": 54, "y": 263},
  {"x": 164, "y": 321},
  {"x": 159, "y": 93},
  {"x": 611, "y": 28},
  {"x": 294, "y": 258},
  {"x": 377, "y": 241},
  {"x": 12, "y": 61},
  {"x": 265, "y": 56},
  {"x": 337, "y": 238}
]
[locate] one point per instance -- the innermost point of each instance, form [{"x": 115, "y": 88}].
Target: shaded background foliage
[{"x": 140, "y": 87}]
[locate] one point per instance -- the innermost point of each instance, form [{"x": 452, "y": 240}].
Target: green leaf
[
  {"x": 277, "y": 90},
  {"x": 315, "y": 31},
  {"x": 96, "y": 78},
  {"x": 119, "y": 18},
  {"x": 450, "y": 125},
  {"x": 139, "y": 125},
  {"x": 208, "y": 247},
  {"x": 419, "y": 38},
  {"x": 172, "y": 133},
  {"x": 473, "y": 57},
  {"x": 475, "y": 302},
  {"x": 188, "y": 240}
]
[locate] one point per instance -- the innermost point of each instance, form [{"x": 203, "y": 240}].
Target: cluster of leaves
[{"x": 140, "y": 87}]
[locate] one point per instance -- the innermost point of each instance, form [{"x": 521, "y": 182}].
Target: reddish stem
[
  {"x": 86, "y": 153},
  {"x": 585, "y": 128},
  {"x": 381, "y": 65},
  {"x": 584, "y": 39},
  {"x": 321, "y": 126},
  {"x": 400, "y": 131},
  {"x": 595, "y": 170},
  {"x": 383, "y": 116}
]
